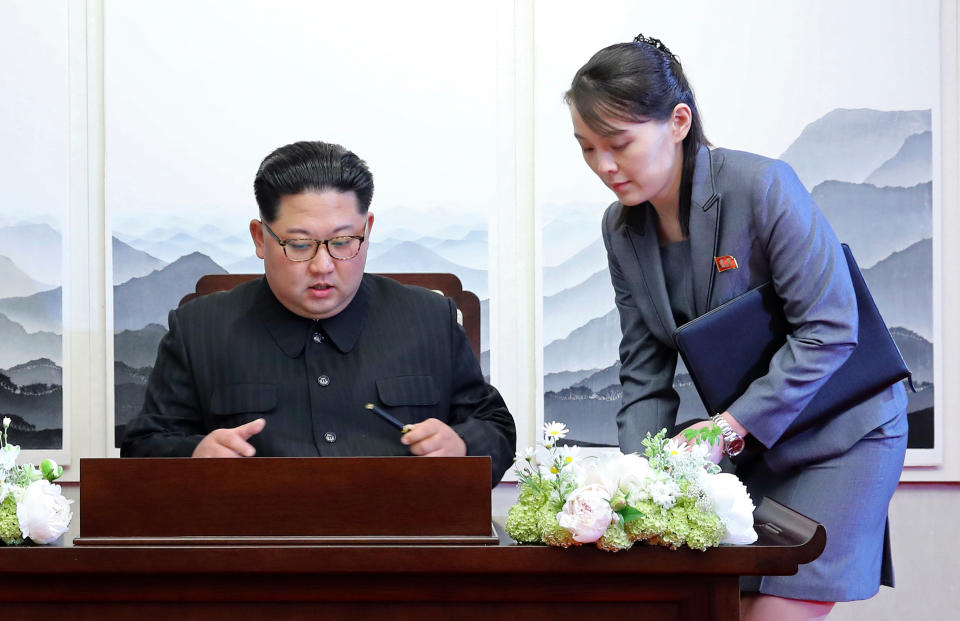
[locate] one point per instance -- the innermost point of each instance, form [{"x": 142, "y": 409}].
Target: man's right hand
[{"x": 230, "y": 442}]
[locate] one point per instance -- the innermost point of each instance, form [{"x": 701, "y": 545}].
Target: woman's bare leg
[{"x": 758, "y": 607}]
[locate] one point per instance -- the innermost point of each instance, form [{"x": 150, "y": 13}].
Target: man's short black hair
[{"x": 310, "y": 167}]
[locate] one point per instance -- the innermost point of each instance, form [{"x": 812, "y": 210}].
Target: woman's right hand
[{"x": 716, "y": 450}]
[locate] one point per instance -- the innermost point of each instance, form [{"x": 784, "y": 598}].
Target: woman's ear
[{"x": 680, "y": 121}]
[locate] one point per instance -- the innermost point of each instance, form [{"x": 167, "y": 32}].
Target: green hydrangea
[
  {"x": 522, "y": 523},
  {"x": 550, "y": 530},
  {"x": 683, "y": 524},
  {"x": 523, "y": 518},
  {"x": 652, "y": 521},
  {"x": 687, "y": 524},
  {"x": 707, "y": 531},
  {"x": 700, "y": 530},
  {"x": 530, "y": 495},
  {"x": 615, "y": 538},
  {"x": 9, "y": 525}
]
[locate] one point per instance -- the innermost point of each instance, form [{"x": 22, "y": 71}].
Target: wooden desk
[{"x": 359, "y": 582}]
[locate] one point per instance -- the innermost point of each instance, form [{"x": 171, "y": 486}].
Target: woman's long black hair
[{"x": 627, "y": 81}]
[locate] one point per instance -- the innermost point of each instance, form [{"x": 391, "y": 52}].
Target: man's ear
[
  {"x": 369, "y": 223},
  {"x": 680, "y": 121},
  {"x": 256, "y": 232}
]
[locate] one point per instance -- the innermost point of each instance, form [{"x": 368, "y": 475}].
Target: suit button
[
  {"x": 330, "y": 437},
  {"x": 323, "y": 380}
]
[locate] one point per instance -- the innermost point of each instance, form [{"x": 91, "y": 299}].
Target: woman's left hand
[{"x": 716, "y": 451}]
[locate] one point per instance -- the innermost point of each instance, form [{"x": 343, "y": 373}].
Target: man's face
[{"x": 323, "y": 286}]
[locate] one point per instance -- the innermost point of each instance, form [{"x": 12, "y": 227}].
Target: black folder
[{"x": 726, "y": 349}]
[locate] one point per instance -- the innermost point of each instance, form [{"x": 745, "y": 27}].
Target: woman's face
[{"x": 640, "y": 160}]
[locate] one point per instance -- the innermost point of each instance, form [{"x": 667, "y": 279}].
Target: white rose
[
  {"x": 732, "y": 503},
  {"x": 44, "y": 514},
  {"x": 635, "y": 472},
  {"x": 8, "y": 456},
  {"x": 701, "y": 451},
  {"x": 603, "y": 471},
  {"x": 587, "y": 513}
]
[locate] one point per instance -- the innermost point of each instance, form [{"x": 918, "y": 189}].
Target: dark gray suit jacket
[
  {"x": 756, "y": 210},
  {"x": 235, "y": 356}
]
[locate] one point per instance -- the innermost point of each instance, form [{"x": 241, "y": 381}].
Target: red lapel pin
[{"x": 725, "y": 263}]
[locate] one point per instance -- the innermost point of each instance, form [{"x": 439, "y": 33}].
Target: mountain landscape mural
[
  {"x": 35, "y": 249},
  {"x": 31, "y": 323},
  {"x": 31, "y": 376},
  {"x": 154, "y": 267},
  {"x": 869, "y": 171}
]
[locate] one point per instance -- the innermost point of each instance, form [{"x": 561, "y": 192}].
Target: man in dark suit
[{"x": 284, "y": 365}]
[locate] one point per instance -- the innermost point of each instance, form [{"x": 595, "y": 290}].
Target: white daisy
[
  {"x": 664, "y": 493},
  {"x": 676, "y": 448},
  {"x": 554, "y": 431},
  {"x": 549, "y": 473},
  {"x": 569, "y": 455}
]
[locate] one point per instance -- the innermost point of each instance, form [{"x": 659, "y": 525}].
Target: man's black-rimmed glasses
[{"x": 341, "y": 248}]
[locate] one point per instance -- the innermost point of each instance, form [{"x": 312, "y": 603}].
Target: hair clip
[{"x": 656, "y": 44}]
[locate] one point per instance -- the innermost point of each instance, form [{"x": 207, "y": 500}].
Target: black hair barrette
[{"x": 656, "y": 44}]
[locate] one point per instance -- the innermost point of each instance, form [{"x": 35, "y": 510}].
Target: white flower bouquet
[
  {"x": 672, "y": 496},
  {"x": 31, "y": 506}
]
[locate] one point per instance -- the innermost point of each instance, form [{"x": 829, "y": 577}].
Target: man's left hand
[{"x": 433, "y": 438}]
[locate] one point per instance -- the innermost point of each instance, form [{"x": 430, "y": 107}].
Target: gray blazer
[{"x": 756, "y": 210}]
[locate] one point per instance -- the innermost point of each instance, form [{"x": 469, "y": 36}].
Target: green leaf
[
  {"x": 710, "y": 435},
  {"x": 630, "y": 514}
]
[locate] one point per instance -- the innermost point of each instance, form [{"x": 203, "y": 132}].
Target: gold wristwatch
[{"x": 732, "y": 442}]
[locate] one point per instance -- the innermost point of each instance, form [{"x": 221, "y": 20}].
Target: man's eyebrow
[{"x": 306, "y": 233}]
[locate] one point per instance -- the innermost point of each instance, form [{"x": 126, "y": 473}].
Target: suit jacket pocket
[
  {"x": 243, "y": 398},
  {"x": 408, "y": 390}
]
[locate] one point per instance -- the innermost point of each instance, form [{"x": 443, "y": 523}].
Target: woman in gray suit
[{"x": 692, "y": 228}]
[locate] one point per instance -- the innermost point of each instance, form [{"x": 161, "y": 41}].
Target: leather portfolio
[{"x": 728, "y": 348}]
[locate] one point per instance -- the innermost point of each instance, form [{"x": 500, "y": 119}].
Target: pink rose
[{"x": 587, "y": 513}]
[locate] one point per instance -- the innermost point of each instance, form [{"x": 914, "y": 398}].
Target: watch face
[{"x": 735, "y": 445}]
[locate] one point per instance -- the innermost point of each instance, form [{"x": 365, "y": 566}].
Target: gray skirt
[{"x": 848, "y": 494}]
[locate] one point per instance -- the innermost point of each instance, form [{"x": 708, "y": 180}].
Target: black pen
[{"x": 390, "y": 419}]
